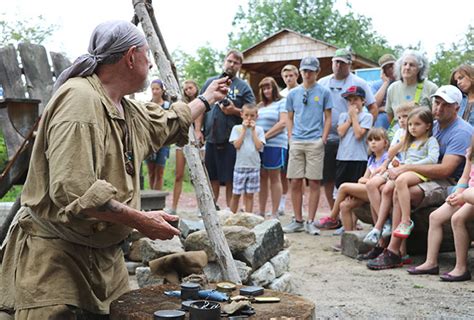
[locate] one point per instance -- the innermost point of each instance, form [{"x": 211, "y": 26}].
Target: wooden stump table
[{"x": 142, "y": 303}]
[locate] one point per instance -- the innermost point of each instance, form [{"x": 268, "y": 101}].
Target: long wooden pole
[{"x": 144, "y": 12}]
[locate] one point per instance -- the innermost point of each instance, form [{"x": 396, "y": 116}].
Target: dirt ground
[{"x": 342, "y": 287}]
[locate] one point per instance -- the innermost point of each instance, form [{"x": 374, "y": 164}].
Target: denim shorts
[{"x": 159, "y": 158}]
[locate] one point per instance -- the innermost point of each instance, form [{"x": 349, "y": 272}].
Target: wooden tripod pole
[{"x": 144, "y": 12}]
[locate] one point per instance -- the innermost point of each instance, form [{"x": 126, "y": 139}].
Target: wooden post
[{"x": 144, "y": 12}]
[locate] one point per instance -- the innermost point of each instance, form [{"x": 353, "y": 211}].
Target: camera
[
  {"x": 225, "y": 102},
  {"x": 225, "y": 74}
]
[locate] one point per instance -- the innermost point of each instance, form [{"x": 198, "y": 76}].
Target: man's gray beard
[{"x": 144, "y": 86}]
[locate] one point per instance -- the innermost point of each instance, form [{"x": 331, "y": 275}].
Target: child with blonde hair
[{"x": 380, "y": 215}]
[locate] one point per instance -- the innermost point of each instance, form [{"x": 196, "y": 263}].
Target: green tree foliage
[
  {"x": 316, "y": 18},
  {"x": 448, "y": 58},
  {"x": 204, "y": 64},
  {"x": 35, "y": 30}
]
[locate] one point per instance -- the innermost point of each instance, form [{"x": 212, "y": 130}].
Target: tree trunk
[{"x": 199, "y": 179}]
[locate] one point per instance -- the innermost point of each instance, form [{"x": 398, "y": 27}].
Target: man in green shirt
[{"x": 62, "y": 256}]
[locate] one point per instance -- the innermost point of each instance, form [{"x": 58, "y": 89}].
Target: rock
[
  {"x": 238, "y": 238},
  {"x": 263, "y": 276},
  {"x": 281, "y": 262},
  {"x": 189, "y": 226},
  {"x": 282, "y": 284},
  {"x": 244, "y": 219},
  {"x": 154, "y": 249},
  {"x": 135, "y": 235},
  {"x": 269, "y": 241},
  {"x": 132, "y": 266},
  {"x": 134, "y": 252},
  {"x": 146, "y": 279},
  {"x": 352, "y": 244},
  {"x": 223, "y": 216},
  {"x": 213, "y": 272},
  {"x": 287, "y": 242}
]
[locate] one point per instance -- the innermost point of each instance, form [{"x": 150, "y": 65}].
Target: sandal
[{"x": 403, "y": 230}]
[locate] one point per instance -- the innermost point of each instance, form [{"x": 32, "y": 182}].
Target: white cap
[{"x": 449, "y": 93}]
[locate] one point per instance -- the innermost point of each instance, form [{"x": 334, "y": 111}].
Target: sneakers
[
  {"x": 338, "y": 231},
  {"x": 310, "y": 228},
  {"x": 294, "y": 226},
  {"x": 386, "y": 260},
  {"x": 403, "y": 230},
  {"x": 406, "y": 259},
  {"x": 372, "y": 238},
  {"x": 372, "y": 254},
  {"x": 328, "y": 223},
  {"x": 387, "y": 228}
]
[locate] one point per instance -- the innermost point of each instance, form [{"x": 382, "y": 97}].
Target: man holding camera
[{"x": 218, "y": 123}]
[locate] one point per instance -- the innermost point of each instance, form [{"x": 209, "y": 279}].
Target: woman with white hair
[{"x": 412, "y": 71}]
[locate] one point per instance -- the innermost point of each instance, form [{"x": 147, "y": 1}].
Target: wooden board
[
  {"x": 60, "y": 63},
  {"x": 10, "y": 73},
  {"x": 142, "y": 303},
  {"x": 39, "y": 77}
]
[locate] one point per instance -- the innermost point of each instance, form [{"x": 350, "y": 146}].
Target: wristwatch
[{"x": 204, "y": 100}]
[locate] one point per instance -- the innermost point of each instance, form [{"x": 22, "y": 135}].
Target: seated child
[
  {"x": 458, "y": 208},
  {"x": 382, "y": 223}
]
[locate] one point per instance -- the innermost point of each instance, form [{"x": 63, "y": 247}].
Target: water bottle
[{"x": 1, "y": 92}]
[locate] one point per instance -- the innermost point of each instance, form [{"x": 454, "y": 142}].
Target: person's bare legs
[
  {"x": 275, "y": 189},
  {"x": 385, "y": 204},
  {"x": 248, "y": 202},
  {"x": 234, "y": 205},
  {"x": 285, "y": 182},
  {"x": 346, "y": 207},
  {"x": 263, "y": 194},
  {"x": 313, "y": 202},
  {"x": 297, "y": 198},
  {"x": 215, "y": 184},
  {"x": 151, "y": 174},
  {"x": 395, "y": 243},
  {"x": 178, "y": 180},
  {"x": 159, "y": 178},
  {"x": 402, "y": 184},
  {"x": 356, "y": 190},
  {"x": 462, "y": 239},
  {"x": 435, "y": 234},
  {"x": 228, "y": 192},
  {"x": 374, "y": 194},
  {"x": 329, "y": 193}
]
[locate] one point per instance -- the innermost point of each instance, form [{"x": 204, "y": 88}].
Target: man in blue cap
[{"x": 309, "y": 120}]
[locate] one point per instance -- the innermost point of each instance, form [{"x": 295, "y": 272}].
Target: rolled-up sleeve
[{"x": 169, "y": 126}]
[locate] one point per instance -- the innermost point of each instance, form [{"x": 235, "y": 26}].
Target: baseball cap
[
  {"x": 309, "y": 63},
  {"x": 354, "y": 91},
  {"x": 343, "y": 55},
  {"x": 449, "y": 93},
  {"x": 386, "y": 59}
]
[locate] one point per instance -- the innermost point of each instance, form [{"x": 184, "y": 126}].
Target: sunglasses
[{"x": 305, "y": 98}]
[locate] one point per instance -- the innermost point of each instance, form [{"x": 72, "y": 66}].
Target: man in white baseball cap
[{"x": 449, "y": 93}]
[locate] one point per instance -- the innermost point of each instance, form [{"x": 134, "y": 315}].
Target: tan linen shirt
[{"x": 78, "y": 162}]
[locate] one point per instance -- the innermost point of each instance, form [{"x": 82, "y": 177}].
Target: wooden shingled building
[{"x": 270, "y": 55}]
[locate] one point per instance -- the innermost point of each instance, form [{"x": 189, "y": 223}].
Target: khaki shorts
[
  {"x": 306, "y": 160},
  {"x": 435, "y": 192}
]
